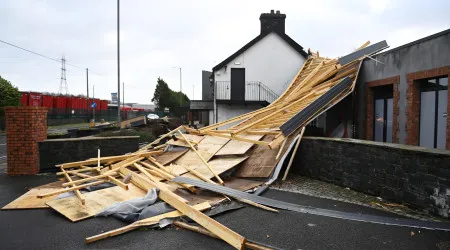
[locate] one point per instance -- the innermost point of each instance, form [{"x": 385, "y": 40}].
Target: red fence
[
  {"x": 61, "y": 102},
  {"x": 24, "y": 99},
  {"x": 35, "y": 99},
  {"x": 47, "y": 101}
]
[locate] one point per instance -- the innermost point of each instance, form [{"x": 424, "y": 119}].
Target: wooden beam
[
  {"x": 125, "y": 163},
  {"x": 144, "y": 183},
  {"x": 177, "y": 202},
  {"x": 281, "y": 148},
  {"x": 258, "y": 205},
  {"x": 243, "y": 129},
  {"x": 276, "y": 143},
  {"x": 65, "y": 190},
  {"x": 202, "y": 159},
  {"x": 77, "y": 192},
  {"x": 166, "y": 174},
  {"x": 293, "y": 154},
  {"x": 71, "y": 183},
  {"x": 197, "y": 229},
  {"x": 145, "y": 222},
  {"x": 235, "y": 119},
  {"x": 159, "y": 139},
  {"x": 199, "y": 175},
  {"x": 82, "y": 169},
  {"x": 106, "y": 159},
  {"x": 363, "y": 45},
  {"x": 161, "y": 170},
  {"x": 82, "y": 175},
  {"x": 236, "y": 138},
  {"x": 118, "y": 182}
]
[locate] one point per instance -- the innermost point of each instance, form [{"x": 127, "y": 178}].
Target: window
[{"x": 433, "y": 112}]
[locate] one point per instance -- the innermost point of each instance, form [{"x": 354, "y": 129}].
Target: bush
[{"x": 9, "y": 95}]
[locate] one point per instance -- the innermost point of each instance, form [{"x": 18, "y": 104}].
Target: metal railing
[{"x": 254, "y": 91}]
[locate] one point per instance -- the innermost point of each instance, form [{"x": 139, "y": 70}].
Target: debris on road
[{"x": 223, "y": 159}]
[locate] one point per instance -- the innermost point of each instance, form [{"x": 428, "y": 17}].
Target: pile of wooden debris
[{"x": 251, "y": 148}]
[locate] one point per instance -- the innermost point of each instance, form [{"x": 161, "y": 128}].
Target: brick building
[{"x": 402, "y": 96}]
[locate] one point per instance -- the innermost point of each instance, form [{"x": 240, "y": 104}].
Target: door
[
  {"x": 237, "y": 84},
  {"x": 433, "y": 112},
  {"x": 383, "y": 114}
]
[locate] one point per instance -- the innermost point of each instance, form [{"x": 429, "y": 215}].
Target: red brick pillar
[{"x": 25, "y": 127}]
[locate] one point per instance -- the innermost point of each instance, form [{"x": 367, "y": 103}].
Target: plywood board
[
  {"x": 29, "y": 200},
  {"x": 194, "y": 138},
  {"x": 235, "y": 147},
  {"x": 96, "y": 201},
  {"x": 261, "y": 161},
  {"x": 207, "y": 148},
  {"x": 170, "y": 156},
  {"x": 219, "y": 165}
]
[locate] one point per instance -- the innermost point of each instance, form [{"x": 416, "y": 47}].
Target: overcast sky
[{"x": 194, "y": 35}]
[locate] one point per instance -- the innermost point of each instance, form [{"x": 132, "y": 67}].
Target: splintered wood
[{"x": 252, "y": 147}]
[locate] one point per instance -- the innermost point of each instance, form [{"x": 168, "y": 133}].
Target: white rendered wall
[
  {"x": 271, "y": 61},
  {"x": 228, "y": 111}
]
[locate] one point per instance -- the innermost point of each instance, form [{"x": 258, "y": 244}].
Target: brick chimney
[{"x": 272, "y": 22}]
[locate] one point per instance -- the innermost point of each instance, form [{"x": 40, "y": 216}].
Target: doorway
[
  {"x": 433, "y": 112},
  {"x": 237, "y": 84},
  {"x": 383, "y": 115}
]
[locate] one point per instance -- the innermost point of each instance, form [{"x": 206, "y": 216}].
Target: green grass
[{"x": 143, "y": 135}]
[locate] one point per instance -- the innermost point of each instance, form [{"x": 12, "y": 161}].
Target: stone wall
[
  {"x": 414, "y": 175},
  {"x": 26, "y": 127},
  {"x": 57, "y": 151}
]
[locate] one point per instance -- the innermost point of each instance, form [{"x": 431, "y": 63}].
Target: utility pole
[
  {"x": 63, "y": 82},
  {"x": 181, "y": 91},
  {"x": 87, "y": 89},
  {"x": 123, "y": 94},
  {"x": 118, "y": 63},
  {"x": 93, "y": 109}
]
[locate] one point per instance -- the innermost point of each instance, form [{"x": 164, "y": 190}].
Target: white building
[{"x": 257, "y": 73}]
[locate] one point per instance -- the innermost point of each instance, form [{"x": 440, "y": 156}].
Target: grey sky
[{"x": 195, "y": 35}]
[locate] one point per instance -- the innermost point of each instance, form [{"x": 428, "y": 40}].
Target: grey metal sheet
[
  {"x": 301, "y": 117},
  {"x": 315, "y": 211},
  {"x": 369, "y": 50}
]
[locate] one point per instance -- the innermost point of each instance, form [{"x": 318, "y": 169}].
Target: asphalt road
[
  {"x": 46, "y": 229},
  {"x": 2, "y": 153}
]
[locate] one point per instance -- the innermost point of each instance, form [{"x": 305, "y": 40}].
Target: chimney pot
[{"x": 272, "y": 22}]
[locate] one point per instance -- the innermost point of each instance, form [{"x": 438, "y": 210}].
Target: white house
[{"x": 257, "y": 73}]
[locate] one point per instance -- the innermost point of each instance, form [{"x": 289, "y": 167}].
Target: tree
[
  {"x": 9, "y": 95},
  {"x": 164, "y": 97}
]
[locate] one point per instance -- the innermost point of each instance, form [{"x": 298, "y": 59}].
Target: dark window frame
[{"x": 426, "y": 86}]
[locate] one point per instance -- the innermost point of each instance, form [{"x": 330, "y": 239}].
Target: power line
[
  {"x": 10, "y": 44},
  {"x": 50, "y": 58}
]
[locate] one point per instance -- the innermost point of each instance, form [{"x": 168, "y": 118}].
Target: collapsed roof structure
[{"x": 254, "y": 147}]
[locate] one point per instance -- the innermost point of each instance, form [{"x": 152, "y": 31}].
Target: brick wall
[
  {"x": 370, "y": 108},
  {"x": 412, "y": 175},
  {"x": 413, "y": 103},
  {"x": 26, "y": 126}
]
